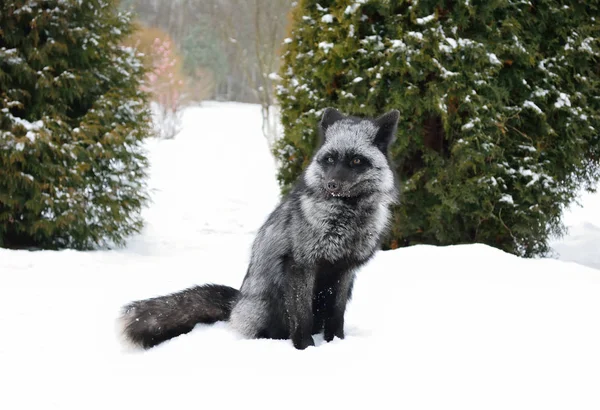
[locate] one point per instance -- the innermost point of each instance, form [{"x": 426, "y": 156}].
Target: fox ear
[
  {"x": 330, "y": 115},
  {"x": 387, "y": 124}
]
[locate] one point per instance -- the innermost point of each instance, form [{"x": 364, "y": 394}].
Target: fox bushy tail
[{"x": 146, "y": 323}]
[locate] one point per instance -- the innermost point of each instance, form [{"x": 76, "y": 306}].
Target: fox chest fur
[{"x": 335, "y": 229}]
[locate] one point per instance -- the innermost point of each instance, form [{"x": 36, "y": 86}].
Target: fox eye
[
  {"x": 330, "y": 159},
  {"x": 356, "y": 161}
]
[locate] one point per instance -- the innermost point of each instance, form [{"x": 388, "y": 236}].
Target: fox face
[{"x": 352, "y": 160}]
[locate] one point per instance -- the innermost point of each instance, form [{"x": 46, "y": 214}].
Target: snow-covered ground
[
  {"x": 465, "y": 327},
  {"x": 582, "y": 243}
]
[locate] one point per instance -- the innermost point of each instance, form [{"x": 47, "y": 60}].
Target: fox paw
[{"x": 302, "y": 344}]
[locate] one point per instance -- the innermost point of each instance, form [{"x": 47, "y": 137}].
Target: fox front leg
[
  {"x": 298, "y": 301},
  {"x": 336, "y": 306}
]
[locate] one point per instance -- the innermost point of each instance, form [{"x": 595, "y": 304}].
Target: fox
[{"x": 305, "y": 256}]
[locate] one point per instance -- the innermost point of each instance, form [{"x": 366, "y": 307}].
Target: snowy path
[
  {"x": 213, "y": 186},
  {"x": 465, "y": 327}
]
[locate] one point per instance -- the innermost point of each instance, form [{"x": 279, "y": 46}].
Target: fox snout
[
  {"x": 336, "y": 187},
  {"x": 333, "y": 186},
  {"x": 339, "y": 180}
]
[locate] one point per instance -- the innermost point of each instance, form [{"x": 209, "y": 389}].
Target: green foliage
[
  {"x": 72, "y": 118},
  {"x": 201, "y": 49},
  {"x": 499, "y": 102}
]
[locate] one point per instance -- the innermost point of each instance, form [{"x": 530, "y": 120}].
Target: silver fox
[{"x": 305, "y": 256}]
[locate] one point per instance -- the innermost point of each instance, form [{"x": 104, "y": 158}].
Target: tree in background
[
  {"x": 72, "y": 118},
  {"x": 500, "y": 107},
  {"x": 204, "y": 62},
  {"x": 234, "y": 43},
  {"x": 162, "y": 84},
  {"x": 165, "y": 82},
  {"x": 255, "y": 29}
]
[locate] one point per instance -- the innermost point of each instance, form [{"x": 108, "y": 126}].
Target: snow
[
  {"x": 274, "y": 77},
  {"x": 468, "y": 43},
  {"x": 351, "y": 31},
  {"x": 466, "y": 326},
  {"x": 354, "y": 6},
  {"x": 397, "y": 45},
  {"x": 519, "y": 45},
  {"x": 562, "y": 100},
  {"x": 375, "y": 40},
  {"x": 470, "y": 124},
  {"x": 445, "y": 72},
  {"x": 586, "y": 45},
  {"x": 10, "y": 56},
  {"x": 528, "y": 148},
  {"x": 327, "y": 18},
  {"x": 31, "y": 136},
  {"x": 507, "y": 199},
  {"x": 425, "y": 20},
  {"x": 325, "y": 46},
  {"x": 582, "y": 243},
  {"x": 494, "y": 59},
  {"x": 452, "y": 42},
  {"x": 415, "y": 34},
  {"x": 533, "y": 106},
  {"x": 36, "y": 125}
]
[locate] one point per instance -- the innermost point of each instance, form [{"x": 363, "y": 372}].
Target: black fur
[{"x": 165, "y": 317}]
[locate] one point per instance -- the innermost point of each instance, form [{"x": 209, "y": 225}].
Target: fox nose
[{"x": 333, "y": 186}]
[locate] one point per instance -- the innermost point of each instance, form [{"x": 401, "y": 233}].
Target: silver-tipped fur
[{"x": 305, "y": 256}]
